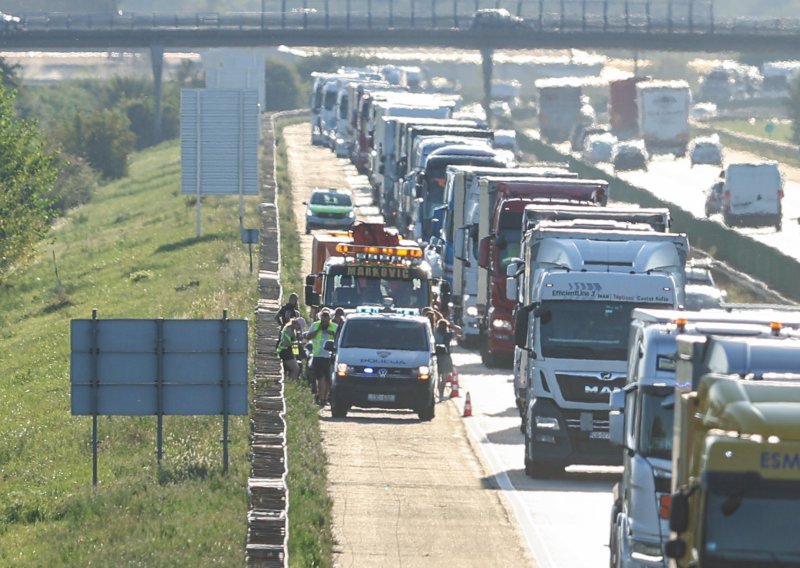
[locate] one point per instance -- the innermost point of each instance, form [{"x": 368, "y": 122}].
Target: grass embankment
[
  {"x": 310, "y": 509},
  {"x": 130, "y": 253},
  {"x": 777, "y": 132}
]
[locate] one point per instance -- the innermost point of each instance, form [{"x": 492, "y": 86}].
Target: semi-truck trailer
[{"x": 664, "y": 116}]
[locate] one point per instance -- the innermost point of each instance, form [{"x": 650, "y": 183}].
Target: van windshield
[{"x": 385, "y": 333}]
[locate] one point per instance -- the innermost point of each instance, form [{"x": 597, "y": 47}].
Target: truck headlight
[
  {"x": 424, "y": 373},
  {"x": 309, "y": 213},
  {"x": 472, "y": 311},
  {"x": 646, "y": 551},
  {"x": 505, "y": 325},
  {"x": 547, "y": 423},
  {"x": 342, "y": 369},
  {"x": 351, "y": 214}
]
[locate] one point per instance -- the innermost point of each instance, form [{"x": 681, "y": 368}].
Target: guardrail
[
  {"x": 591, "y": 16},
  {"x": 744, "y": 254},
  {"x": 267, "y": 519}
]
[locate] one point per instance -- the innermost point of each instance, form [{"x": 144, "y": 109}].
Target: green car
[{"x": 330, "y": 209}]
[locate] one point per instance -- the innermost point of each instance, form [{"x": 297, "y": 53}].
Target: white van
[{"x": 752, "y": 195}]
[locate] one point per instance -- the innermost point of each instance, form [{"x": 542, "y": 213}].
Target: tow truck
[{"x": 364, "y": 266}]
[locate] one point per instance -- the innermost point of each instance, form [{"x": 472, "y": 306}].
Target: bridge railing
[{"x": 591, "y": 16}]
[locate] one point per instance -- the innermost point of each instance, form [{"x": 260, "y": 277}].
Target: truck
[
  {"x": 658, "y": 219},
  {"x": 623, "y": 112},
  {"x": 424, "y": 191},
  {"x": 365, "y": 266},
  {"x": 383, "y": 165},
  {"x": 664, "y": 116},
  {"x": 560, "y": 104},
  {"x": 736, "y": 453},
  {"x": 457, "y": 241},
  {"x": 502, "y": 203},
  {"x": 641, "y": 419},
  {"x": 752, "y": 195},
  {"x": 582, "y": 280}
]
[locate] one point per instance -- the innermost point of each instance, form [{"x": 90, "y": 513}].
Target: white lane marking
[{"x": 534, "y": 539}]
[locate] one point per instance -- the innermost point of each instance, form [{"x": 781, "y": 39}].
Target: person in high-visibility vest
[
  {"x": 321, "y": 331},
  {"x": 291, "y": 332}
]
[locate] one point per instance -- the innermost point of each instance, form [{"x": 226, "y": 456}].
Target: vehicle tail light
[
  {"x": 728, "y": 198},
  {"x": 664, "y": 502}
]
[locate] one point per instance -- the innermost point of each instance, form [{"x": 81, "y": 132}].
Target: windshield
[
  {"x": 386, "y": 333},
  {"x": 330, "y": 99},
  {"x": 330, "y": 198},
  {"x": 587, "y": 329},
  {"x": 750, "y": 521},
  {"x": 655, "y": 425},
  {"x": 508, "y": 239},
  {"x": 347, "y": 287}
]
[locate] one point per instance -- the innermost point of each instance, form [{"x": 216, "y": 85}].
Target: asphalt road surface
[{"x": 405, "y": 492}]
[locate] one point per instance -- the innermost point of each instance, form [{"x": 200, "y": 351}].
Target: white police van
[{"x": 384, "y": 359}]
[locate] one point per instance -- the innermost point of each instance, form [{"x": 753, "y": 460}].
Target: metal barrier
[{"x": 267, "y": 519}]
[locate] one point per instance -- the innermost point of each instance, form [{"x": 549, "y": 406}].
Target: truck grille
[
  {"x": 588, "y": 388},
  {"x": 599, "y": 422},
  {"x": 331, "y": 215}
]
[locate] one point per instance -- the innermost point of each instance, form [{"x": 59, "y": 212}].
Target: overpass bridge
[{"x": 639, "y": 25}]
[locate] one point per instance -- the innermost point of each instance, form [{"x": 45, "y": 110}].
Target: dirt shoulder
[{"x": 405, "y": 493}]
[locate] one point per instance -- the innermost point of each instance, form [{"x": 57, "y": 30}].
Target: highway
[{"x": 562, "y": 522}]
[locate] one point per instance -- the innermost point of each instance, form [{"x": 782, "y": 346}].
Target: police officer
[{"x": 321, "y": 331}]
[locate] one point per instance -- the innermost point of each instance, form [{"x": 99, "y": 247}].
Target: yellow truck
[{"x": 736, "y": 453}]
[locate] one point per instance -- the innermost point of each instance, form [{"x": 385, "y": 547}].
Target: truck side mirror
[
  {"x": 311, "y": 280},
  {"x": 675, "y": 548},
  {"x": 483, "y": 252},
  {"x": 311, "y": 297},
  {"x": 679, "y": 513},
  {"x": 418, "y": 189},
  {"x": 521, "y": 320},
  {"x": 511, "y": 288},
  {"x": 329, "y": 345},
  {"x": 616, "y": 418},
  {"x": 544, "y": 314}
]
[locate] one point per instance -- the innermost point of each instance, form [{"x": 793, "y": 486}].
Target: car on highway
[
  {"x": 705, "y": 150},
  {"x": 494, "y": 19},
  {"x": 329, "y": 208},
  {"x": 703, "y": 297},
  {"x": 598, "y": 147},
  {"x": 629, "y": 155},
  {"x": 384, "y": 359},
  {"x": 580, "y": 131},
  {"x": 703, "y": 111},
  {"x": 714, "y": 198}
]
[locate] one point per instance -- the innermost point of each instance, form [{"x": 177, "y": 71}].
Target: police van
[{"x": 384, "y": 359}]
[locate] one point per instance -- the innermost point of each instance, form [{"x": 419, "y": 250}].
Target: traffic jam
[{"x": 590, "y": 307}]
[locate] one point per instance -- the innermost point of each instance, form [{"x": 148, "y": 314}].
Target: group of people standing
[{"x": 293, "y": 333}]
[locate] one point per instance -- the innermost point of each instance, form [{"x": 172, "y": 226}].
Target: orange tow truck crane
[{"x": 364, "y": 266}]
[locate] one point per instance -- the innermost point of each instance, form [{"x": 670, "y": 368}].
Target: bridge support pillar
[
  {"x": 486, "y": 68},
  {"x": 157, "y": 61}
]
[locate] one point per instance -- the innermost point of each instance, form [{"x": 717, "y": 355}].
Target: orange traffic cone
[
  {"x": 454, "y": 384},
  {"x": 467, "y": 406}
]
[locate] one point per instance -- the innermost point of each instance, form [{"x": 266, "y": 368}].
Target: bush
[
  {"x": 103, "y": 138},
  {"x": 282, "y": 86},
  {"x": 75, "y": 185}
]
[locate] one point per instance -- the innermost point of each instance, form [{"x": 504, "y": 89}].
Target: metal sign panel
[
  {"x": 219, "y": 142},
  {"x": 227, "y": 68},
  {"x": 149, "y": 367}
]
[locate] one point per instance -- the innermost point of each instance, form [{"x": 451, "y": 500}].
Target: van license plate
[
  {"x": 380, "y": 397},
  {"x": 600, "y": 435}
]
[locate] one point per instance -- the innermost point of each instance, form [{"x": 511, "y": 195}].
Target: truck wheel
[
  {"x": 338, "y": 409},
  {"x": 427, "y": 412},
  {"x": 539, "y": 469}
]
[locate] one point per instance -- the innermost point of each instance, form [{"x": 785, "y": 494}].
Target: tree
[
  {"x": 103, "y": 138},
  {"x": 282, "y": 86},
  {"x": 27, "y": 174}
]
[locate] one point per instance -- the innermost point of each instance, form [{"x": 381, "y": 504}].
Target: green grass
[
  {"x": 310, "y": 512},
  {"x": 130, "y": 253},
  {"x": 781, "y": 131}
]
